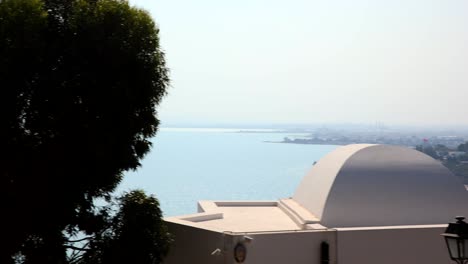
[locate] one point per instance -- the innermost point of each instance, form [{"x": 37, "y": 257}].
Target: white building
[{"x": 359, "y": 204}]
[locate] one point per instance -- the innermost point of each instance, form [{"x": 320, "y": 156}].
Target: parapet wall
[{"x": 383, "y": 245}]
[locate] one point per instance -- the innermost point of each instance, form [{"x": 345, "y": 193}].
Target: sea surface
[{"x": 188, "y": 165}]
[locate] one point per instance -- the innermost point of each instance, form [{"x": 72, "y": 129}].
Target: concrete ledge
[
  {"x": 299, "y": 214},
  {"x": 202, "y": 217},
  {"x": 206, "y": 206},
  {"x": 389, "y": 227},
  {"x": 213, "y": 206},
  {"x": 315, "y": 227},
  {"x": 246, "y": 203}
]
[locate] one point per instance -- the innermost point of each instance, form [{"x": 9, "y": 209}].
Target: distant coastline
[
  {"x": 310, "y": 143},
  {"x": 399, "y": 139},
  {"x": 221, "y": 130}
]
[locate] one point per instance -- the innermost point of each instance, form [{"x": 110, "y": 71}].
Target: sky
[{"x": 402, "y": 62}]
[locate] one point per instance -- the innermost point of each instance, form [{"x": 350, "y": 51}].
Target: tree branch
[
  {"x": 77, "y": 248},
  {"x": 78, "y": 240}
]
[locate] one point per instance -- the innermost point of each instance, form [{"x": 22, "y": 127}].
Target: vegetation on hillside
[{"x": 456, "y": 160}]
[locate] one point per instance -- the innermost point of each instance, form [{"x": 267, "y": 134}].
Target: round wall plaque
[{"x": 240, "y": 253}]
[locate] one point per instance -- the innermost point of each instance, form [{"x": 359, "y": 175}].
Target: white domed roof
[{"x": 381, "y": 185}]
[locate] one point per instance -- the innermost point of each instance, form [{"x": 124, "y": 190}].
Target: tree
[
  {"x": 428, "y": 150},
  {"x": 80, "y": 83},
  {"x": 463, "y": 147},
  {"x": 135, "y": 234}
]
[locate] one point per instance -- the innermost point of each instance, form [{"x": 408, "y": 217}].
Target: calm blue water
[{"x": 185, "y": 166}]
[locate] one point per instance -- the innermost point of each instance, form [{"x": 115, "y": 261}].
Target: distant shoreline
[{"x": 312, "y": 143}]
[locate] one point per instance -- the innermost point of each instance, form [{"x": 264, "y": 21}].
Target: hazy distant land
[
  {"x": 450, "y": 138},
  {"x": 449, "y": 146}
]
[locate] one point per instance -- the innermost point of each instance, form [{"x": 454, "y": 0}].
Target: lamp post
[{"x": 456, "y": 237}]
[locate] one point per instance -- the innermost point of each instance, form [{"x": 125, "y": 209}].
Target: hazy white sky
[{"x": 354, "y": 61}]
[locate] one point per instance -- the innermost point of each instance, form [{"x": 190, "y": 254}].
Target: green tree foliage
[
  {"x": 463, "y": 147},
  {"x": 80, "y": 81},
  {"x": 135, "y": 234},
  {"x": 456, "y": 164},
  {"x": 428, "y": 150}
]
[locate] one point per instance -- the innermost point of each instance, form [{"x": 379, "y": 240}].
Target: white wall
[
  {"x": 193, "y": 245},
  {"x": 390, "y": 245},
  {"x": 290, "y": 248}
]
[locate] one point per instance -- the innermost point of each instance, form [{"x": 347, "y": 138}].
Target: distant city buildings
[
  {"x": 336, "y": 138},
  {"x": 451, "y": 150}
]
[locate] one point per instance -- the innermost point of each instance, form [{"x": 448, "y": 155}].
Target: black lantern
[{"x": 456, "y": 236}]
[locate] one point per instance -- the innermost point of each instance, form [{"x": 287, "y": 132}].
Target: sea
[{"x": 186, "y": 165}]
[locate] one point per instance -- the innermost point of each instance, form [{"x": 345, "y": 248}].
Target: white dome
[{"x": 381, "y": 185}]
